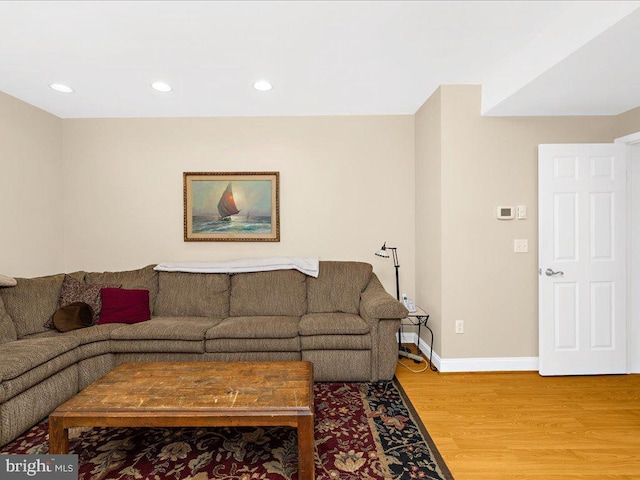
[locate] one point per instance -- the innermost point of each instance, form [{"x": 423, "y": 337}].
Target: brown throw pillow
[
  {"x": 73, "y": 316},
  {"x": 74, "y": 290}
]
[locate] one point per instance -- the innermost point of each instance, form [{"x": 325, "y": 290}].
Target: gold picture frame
[{"x": 231, "y": 206}]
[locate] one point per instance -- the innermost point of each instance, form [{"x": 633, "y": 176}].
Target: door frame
[{"x": 633, "y": 343}]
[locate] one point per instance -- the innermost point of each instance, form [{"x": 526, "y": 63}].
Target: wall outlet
[{"x": 459, "y": 326}]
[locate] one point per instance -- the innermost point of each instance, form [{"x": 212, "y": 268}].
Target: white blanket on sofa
[{"x": 307, "y": 265}]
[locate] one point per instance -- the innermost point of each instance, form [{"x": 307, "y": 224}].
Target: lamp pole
[{"x": 397, "y": 266}]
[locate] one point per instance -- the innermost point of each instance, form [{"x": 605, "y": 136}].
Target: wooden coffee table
[{"x": 196, "y": 394}]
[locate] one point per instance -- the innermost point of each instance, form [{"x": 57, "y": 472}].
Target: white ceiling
[{"x": 323, "y": 58}]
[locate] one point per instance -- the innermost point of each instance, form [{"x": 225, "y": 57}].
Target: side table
[{"x": 421, "y": 318}]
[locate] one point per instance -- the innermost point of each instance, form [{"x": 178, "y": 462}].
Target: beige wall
[
  {"x": 346, "y": 186},
  {"x": 627, "y": 123},
  {"x": 486, "y": 162},
  {"x": 31, "y": 172},
  {"x": 428, "y": 133}
]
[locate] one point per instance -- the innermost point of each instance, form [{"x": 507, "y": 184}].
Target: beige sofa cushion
[
  {"x": 93, "y": 341},
  {"x": 338, "y": 287},
  {"x": 26, "y": 363},
  {"x": 281, "y": 292},
  {"x": 17, "y": 358},
  {"x": 145, "y": 277},
  {"x": 192, "y": 294},
  {"x": 333, "y": 324},
  {"x": 255, "y": 334},
  {"x": 31, "y": 302},
  {"x": 84, "y": 336},
  {"x": 7, "y": 330},
  {"x": 163, "y": 334},
  {"x": 255, "y": 327},
  {"x": 166, "y": 328}
]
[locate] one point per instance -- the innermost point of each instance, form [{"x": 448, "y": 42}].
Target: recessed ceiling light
[
  {"x": 262, "y": 85},
  {"x": 161, "y": 86},
  {"x": 59, "y": 87}
]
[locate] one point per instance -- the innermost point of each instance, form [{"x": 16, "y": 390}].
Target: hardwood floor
[{"x": 518, "y": 426}]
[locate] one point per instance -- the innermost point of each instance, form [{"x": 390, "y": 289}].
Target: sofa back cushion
[
  {"x": 32, "y": 302},
  {"x": 7, "y": 330},
  {"x": 145, "y": 277},
  {"x": 338, "y": 287},
  {"x": 192, "y": 294},
  {"x": 280, "y": 292}
]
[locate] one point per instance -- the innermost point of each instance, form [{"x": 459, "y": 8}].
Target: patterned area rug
[{"x": 364, "y": 431}]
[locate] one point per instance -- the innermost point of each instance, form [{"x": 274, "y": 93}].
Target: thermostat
[{"x": 504, "y": 213}]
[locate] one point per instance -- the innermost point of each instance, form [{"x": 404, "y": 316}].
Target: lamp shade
[{"x": 383, "y": 251}]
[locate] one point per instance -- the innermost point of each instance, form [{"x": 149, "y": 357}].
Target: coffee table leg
[
  {"x": 306, "y": 447},
  {"x": 58, "y": 436}
]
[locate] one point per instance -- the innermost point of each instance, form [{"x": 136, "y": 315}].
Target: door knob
[{"x": 549, "y": 273}]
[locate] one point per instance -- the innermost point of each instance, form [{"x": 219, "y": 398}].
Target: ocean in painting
[{"x": 238, "y": 224}]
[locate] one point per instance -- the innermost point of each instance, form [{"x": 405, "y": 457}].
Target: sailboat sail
[{"x": 227, "y": 205}]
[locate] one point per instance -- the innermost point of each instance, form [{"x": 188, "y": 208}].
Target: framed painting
[{"x": 231, "y": 207}]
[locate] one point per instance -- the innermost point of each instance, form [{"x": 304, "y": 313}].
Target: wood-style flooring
[{"x": 518, "y": 426}]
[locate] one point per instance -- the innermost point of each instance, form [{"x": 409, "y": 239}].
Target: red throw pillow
[{"x": 124, "y": 306}]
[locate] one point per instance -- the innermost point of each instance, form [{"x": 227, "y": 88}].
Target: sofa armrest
[
  {"x": 375, "y": 302},
  {"x": 383, "y": 313}
]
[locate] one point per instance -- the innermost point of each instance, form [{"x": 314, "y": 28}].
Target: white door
[{"x": 582, "y": 282}]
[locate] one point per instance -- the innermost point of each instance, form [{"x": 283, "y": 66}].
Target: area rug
[{"x": 364, "y": 431}]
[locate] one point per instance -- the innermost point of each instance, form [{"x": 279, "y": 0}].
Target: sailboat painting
[{"x": 231, "y": 206}]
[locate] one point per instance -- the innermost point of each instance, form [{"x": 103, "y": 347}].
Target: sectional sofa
[{"x": 343, "y": 321}]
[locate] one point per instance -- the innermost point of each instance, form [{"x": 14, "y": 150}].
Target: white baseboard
[
  {"x": 491, "y": 364},
  {"x": 495, "y": 364}
]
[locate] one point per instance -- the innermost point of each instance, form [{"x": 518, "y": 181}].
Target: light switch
[
  {"x": 521, "y": 212},
  {"x": 521, "y": 245}
]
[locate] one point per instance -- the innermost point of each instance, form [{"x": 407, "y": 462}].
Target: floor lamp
[{"x": 384, "y": 254}]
